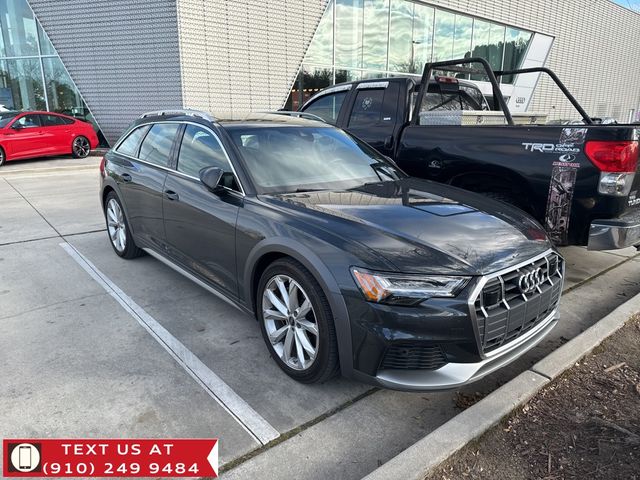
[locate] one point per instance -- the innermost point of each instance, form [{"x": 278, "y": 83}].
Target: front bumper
[
  {"x": 454, "y": 375},
  {"x": 615, "y": 233},
  {"x": 442, "y": 343}
]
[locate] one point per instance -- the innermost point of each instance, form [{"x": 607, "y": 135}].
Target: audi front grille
[{"x": 511, "y": 303}]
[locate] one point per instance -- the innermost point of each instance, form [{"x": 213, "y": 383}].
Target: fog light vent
[{"x": 413, "y": 357}]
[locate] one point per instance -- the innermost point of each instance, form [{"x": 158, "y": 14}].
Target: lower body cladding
[
  {"x": 447, "y": 343},
  {"x": 615, "y": 233}
]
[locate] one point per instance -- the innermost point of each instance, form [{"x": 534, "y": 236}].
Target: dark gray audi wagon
[{"x": 348, "y": 264}]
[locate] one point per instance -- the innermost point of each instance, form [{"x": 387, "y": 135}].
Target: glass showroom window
[
  {"x": 32, "y": 77},
  {"x": 349, "y": 33},
  {"x": 21, "y": 85},
  {"x": 360, "y": 39},
  {"x": 46, "y": 48},
  {"x": 62, "y": 94},
  {"x": 310, "y": 81},
  {"x": 515, "y": 48},
  {"x": 488, "y": 43},
  {"x": 400, "y": 35},
  {"x": 375, "y": 34},
  {"x": 320, "y": 50},
  {"x": 18, "y": 28},
  {"x": 422, "y": 38},
  {"x": 445, "y": 26}
]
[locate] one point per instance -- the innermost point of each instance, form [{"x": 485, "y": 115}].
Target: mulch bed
[{"x": 585, "y": 425}]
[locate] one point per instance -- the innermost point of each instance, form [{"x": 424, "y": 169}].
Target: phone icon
[{"x": 25, "y": 457}]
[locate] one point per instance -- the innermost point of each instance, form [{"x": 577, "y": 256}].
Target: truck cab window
[{"x": 367, "y": 108}]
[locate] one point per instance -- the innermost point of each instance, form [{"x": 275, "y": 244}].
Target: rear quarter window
[
  {"x": 156, "y": 146},
  {"x": 131, "y": 144}
]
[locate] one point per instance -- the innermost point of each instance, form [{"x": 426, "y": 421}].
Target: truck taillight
[
  {"x": 617, "y": 162},
  {"x": 613, "y": 156}
]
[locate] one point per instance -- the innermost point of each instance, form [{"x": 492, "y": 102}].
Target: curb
[
  {"x": 420, "y": 459},
  {"x": 47, "y": 170}
]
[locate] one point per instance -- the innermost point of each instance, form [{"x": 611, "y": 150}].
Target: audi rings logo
[{"x": 529, "y": 281}]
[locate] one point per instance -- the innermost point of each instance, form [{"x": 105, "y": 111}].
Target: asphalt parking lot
[{"x": 97, "y": 346}]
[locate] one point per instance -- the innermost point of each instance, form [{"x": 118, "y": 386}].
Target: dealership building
[{"x": 110, "y": 60}]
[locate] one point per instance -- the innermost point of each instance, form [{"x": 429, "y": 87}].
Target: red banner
[{"x": 110, "y": 458}]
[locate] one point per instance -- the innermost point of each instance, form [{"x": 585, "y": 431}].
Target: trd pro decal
[
  {"x": 556, "y": 221},
  {"x": 569, "y": 143}
]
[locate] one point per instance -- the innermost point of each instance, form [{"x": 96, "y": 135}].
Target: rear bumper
[{"x": 615, "y": 233}]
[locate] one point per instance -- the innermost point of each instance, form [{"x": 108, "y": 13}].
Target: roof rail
[
  {"x": 308, "y": 116},
  {"x": 185, "y": 111}
]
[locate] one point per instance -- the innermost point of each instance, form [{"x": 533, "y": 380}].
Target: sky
[{"x": 632, "y": 4}]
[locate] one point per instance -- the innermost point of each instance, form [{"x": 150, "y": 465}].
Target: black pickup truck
[{"x": 580, "y": 181}]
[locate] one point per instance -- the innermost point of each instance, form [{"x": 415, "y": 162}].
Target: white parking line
[{"x": 240, "y": 410}]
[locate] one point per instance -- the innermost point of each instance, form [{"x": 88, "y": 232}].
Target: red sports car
[{"x": 41, "y": 134}]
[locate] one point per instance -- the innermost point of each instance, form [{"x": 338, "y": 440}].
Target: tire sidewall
[
  {"x": 323, "y": 317},
  {"x": 3, "y": 157},
  {"x": 129, "y": 240}
]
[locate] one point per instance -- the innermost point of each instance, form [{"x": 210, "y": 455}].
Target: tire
[
  {"x": 80, "y": 147},
  {"x": 3, "y": 157},
  {"x": 118, "y": 230},
  {"x": 324, "y": 364}
]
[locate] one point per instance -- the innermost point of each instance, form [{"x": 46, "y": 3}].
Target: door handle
[
  {"x": 126, "y": 177},
  {"x": 171, "y": 195}
]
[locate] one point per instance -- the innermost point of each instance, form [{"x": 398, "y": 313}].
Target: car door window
[
  {"x": 156, "y": 146},
  {"x": 130, "y": 145},
  {"x": 29, "y": 121},
  {"x": 327, "y": 107},
  {"x": 367, "y": 109},
  {"x": 199, "y": 149},
  {"x": 51, "y": 120}
]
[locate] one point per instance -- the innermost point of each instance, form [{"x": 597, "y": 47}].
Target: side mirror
[
  {"x": 210, "y": 178},
  {"x": 16, "y": 126}
]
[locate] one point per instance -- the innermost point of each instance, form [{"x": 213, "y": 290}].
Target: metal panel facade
[
  {"x": 243, "y": 55},
  {"x": 123, "y": 55}
]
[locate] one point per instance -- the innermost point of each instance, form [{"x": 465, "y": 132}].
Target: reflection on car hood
[{"x": 424, "y": 227}]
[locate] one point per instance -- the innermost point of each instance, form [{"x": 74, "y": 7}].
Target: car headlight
[{"x": 399, "y": 289}]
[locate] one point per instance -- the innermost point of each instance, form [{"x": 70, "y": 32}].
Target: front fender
[{"x": 321, "y": 273}]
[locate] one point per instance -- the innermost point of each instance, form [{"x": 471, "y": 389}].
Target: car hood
[{"x": 423, "y": 227}]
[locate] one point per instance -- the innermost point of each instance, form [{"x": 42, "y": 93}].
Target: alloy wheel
[
  {"x": 116, "y": 226},
  {"x": 290, "y": 322},
  {"x": 81, "y": 147}
]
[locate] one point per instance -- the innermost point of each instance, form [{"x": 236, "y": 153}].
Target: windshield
[
  {"x": 5, "y": 118},
  {"x": 293, "y": 159}
]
